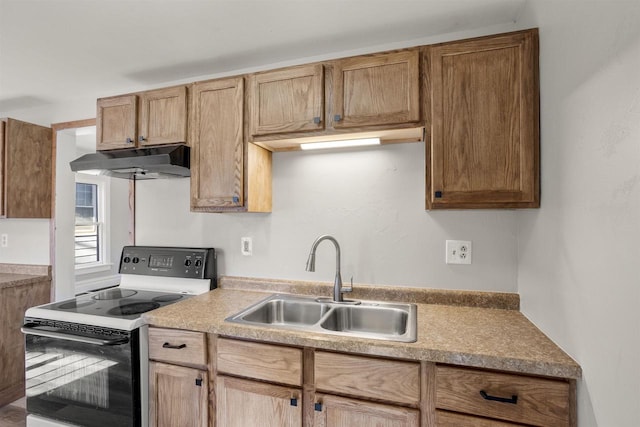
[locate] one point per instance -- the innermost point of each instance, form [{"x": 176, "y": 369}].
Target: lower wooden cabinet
[
  {"x": 335, "y": 411},
  {"x": 242, "y": 403},
  {"x": 178, "y": 396}
]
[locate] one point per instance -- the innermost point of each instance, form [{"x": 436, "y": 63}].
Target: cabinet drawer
[
  {"x": 451, "y": 419},
  {"x": 390, "y": 380},
  {"x": 535, "y": 401},
  {"x": 260, "y": 361},
  {"x": 176, "y": 346}
]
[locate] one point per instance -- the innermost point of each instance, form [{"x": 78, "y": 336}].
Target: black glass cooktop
[{"x": 117, "y": 302}]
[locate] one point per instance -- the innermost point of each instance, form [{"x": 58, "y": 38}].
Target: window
[{"x": 91, "y": 242}]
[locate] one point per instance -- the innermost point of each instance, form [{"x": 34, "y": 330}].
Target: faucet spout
[{"x": 311, "y": 265}]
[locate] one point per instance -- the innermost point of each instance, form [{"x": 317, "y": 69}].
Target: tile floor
[{"x": 14, "y": 414}]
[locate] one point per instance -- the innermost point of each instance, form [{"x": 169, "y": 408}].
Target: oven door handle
[{"x": 33, "y": 330}]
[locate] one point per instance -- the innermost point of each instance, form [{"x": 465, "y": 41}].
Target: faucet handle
[{"x": 350, "y": 288}]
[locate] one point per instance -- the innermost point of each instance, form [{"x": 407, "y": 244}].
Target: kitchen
[{"x": 372, "y": 200}]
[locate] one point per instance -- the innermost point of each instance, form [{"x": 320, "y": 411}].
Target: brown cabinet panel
[
  {"x": 178, "y": 396},
  {"x": 260, "y": 361},
  {"x": 116, "y": 122},
  {"x": 26, "y": 170},
  {"x": 451, "y": 419},
  {"x": 381, "y": 89},
  {"x": 534, "y": 401},
  {"x": 484, "y": 148},
  {"x": 163, "y": 116},
  {"x": 176, "y": 346},
  {"x": 242, "y": 403},
  {"x": 334, "y": 411},
  {"x": 288, "y": 100},
  {"x": 216, "y": 125},
  {"x": 384, "y": 379}
]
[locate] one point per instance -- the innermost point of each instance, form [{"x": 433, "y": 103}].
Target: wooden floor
[{"x": 14, "y": 414}]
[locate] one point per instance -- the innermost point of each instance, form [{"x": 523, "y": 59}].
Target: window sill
[{"x": 93, "y": 268}]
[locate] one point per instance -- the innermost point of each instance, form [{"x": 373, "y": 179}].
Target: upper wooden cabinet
[
  {"x": 363, "y": 96},
  {"x": 25, "y": 170},
  {"x": 381, "y": 89},
  {"x": 163, "y": 116},
  {"x": 484, "y": 147},
  {"x": 288, "y": 100},
  {"x": 226, "y": 174},
  {"x": 154, "y": 117}
]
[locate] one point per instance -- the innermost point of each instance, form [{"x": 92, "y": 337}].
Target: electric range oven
[{"x": 87, "y": 357}]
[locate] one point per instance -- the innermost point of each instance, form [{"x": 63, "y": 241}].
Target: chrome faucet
[{"x": 338, "y": 290}]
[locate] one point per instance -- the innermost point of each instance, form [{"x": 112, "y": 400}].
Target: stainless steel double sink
[{"x": 363, "y": 319}]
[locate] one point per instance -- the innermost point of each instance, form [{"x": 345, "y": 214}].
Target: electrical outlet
[
  {"x": 246, "y": 246},
  {"x": 4, "y": 240},
  {"x": 458, "y": 252}
]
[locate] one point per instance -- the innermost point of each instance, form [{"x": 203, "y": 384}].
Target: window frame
[{"x": 103, "y": 186}]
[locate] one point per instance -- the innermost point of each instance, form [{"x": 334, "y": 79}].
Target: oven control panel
[{"x": 190, "y": 263}]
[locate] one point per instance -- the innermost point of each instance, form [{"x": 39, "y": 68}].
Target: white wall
[
  {"x": 578, "y": 255},
  {"x": 28, "y": 241},
  {"x": 371, "y": 200}
]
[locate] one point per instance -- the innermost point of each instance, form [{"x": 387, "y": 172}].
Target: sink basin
[
  {"x": 367, "y": 319},
  {"x": 364, "y": 319},
  {"x": 280, "y": 311}
]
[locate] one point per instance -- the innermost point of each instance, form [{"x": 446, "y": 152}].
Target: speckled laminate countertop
[
  {"x": 12, "y": 275},
  {"x": 468, "y": 334}
]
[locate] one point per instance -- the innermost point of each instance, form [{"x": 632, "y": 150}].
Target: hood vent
[{"x": 167, "y": 161}]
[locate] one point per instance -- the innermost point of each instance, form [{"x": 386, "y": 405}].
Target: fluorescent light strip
[{"x": 339, "y": 144}]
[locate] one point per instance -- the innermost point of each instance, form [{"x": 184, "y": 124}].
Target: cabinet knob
[
  {"x": 199, "y": 382},
  {"x": 236, "y": 199},
  {"x": 438, "y": 194},
  {"x": 337, "y": 118},
  {"x": 317, "y": 407},
  {"x": 141, "y": 138},
  {"x": 129, "y": 141},
  {"x": 293, "y": 401},
  {"x": 316, "y": 120}
]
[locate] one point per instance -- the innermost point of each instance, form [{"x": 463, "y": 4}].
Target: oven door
[{"x": 80, "y": 376}]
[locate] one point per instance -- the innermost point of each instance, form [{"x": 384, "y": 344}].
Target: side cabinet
[
  {"x": 178, "y": 378},
  {"x": 484, "y": 145},
  {"x": 25, "y": 170}
]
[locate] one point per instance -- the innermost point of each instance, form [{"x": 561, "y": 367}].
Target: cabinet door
[
  {"x": 178, "y": 396},
  {"x": 116, "y": 122},
  {"x": 3, "y": 168},
  {"x": 289, "y": 100},
  {"x": 242, "y": 403},
  {"x": 485, "y": 139},
  {"x": 217, "y": 155},
  {"x": 334, "y": 411},
  {"x": 27, "y": 164},
  {"x": 376, "y": 90},
  {"x": 163, "y": 116}
]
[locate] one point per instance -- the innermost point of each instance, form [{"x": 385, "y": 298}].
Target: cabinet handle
[
  {"x": 141, "y": 138},
  {"x": 175, "y": 347},
  {"x": 513, "y": 399},
  {"x": 438, "y": 194},
  {"x": 199, "y": 382},
  {"x": 294, "y": 401},
  {"x": 129, "y": 141},
  {"x": 316, "y": 120},
  {"x": 317, "y": 407},
  {"x": 337, "y": 118}
]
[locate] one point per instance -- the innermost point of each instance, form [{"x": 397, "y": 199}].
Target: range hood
[{"x": 167, "y": 161}]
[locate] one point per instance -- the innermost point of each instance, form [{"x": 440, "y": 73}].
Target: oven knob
[
  {"x": 127, "y": 260},
  {"x": 136, "y": 260},
  {"x": 187, "y": 263},
  {"x": 198, "y": 262}
]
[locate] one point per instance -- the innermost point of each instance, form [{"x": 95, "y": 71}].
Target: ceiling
[{"x": 52, "y": 51}]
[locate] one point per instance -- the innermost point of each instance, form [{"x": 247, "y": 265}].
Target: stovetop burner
[
  {"x": 133, "y": 308},
  {"x": 74, "y": 304},
  {"x": 115, "y": 293}
]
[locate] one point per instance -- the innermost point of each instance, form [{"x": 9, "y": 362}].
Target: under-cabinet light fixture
[{"x": 340, "y": 144}]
